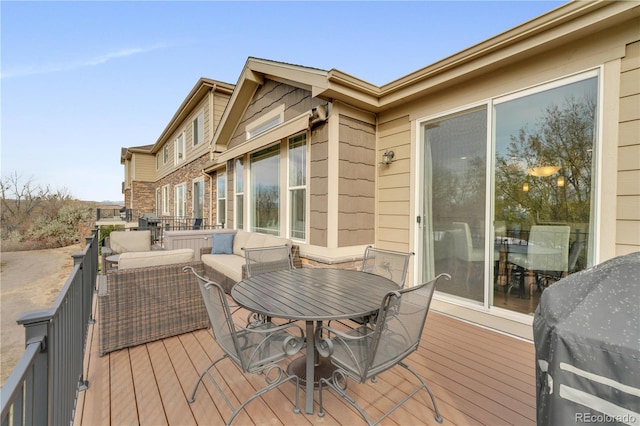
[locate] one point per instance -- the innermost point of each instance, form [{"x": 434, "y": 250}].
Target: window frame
[
  {"x": 180, "y": 193},
  {"x": 166, "y": 201},
  {"x": 221, "y": 175},
  {"x": 239, "y": 195},
  {"x": 179, "y": 149},
  {"x": 291, "y": 188},
  {"x": 198, "y": 129},
  {"x": 196, "y": 182}
]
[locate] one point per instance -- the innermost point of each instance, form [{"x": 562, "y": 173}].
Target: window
[
  {"x": 265, "y": 190},
  {"x": 198, "y": 198},
  {"x": 266, "y": 122},
  {"x": 165, "y": 200},
  {"x": 198, "y": 129},
  {"x": 297, "y": 186},
  {"x": 239, "y": 193},
  {"x": 165, "y": 154},
  {"x": 179, "y": 148},
  {"x": 158, "y": 201},
  {"x": 181, "y": 200},
  {"x": 540, "y": 193},
  {"x": 157, "y": 161},
  {"x": 221, "y": 196}
]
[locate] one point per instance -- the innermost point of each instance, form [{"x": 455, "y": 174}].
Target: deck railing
[{"x": 43, "y": 387}]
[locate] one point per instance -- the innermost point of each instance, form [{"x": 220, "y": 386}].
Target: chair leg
[{"x": 341, "y": 390}]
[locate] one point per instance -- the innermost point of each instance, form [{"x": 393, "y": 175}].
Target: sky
[{"x": 79, "y": 80}]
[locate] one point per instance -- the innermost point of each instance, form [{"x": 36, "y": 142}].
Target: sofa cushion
[
  {"x": 144, "y": 259},
  {"x": 240, "y": 241},
  {"x": 126, "y": 241},
  {"x": 222, "y": 243},
  {"x": 231, "y": 266}
]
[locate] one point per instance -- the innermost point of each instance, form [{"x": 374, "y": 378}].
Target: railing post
[{"x": 36, "y": 325}]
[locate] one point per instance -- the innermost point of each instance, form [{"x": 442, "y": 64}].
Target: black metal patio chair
[
  {"x": 256, "y": 350},
  {"x": 366, "y": 352}
]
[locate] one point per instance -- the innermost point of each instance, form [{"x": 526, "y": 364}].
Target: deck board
[{"x": 478, "y": 376}]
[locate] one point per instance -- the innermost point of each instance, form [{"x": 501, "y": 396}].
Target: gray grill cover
[{"x": 587, "y": 340}]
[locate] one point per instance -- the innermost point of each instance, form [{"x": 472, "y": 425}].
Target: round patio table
[{"x": 312, "y": 295}]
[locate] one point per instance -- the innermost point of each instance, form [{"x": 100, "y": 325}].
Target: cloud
[{"x": 82, "y": 63}]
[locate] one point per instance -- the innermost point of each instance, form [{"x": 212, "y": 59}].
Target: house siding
[
  {"x": 270, "y": 96},
  {"x": 394, "y": 185},
  {"x": 628, "y": 170},
  {"x": 319, "y": 186},
  {"x": 356, "y": 182}
]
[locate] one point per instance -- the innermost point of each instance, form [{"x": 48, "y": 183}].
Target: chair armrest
[{"x": 205, "y": 250}]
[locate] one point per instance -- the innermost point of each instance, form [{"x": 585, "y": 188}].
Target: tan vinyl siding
[
  {"x": 144, "y": 167},
  {"x": 394, "y": 193},
  {"x": 628, "y": 199},
  {"x": 319, "y": 186},
  {"x": 356, "y": 184}
]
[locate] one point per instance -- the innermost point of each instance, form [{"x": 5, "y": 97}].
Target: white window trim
[
  {"x": 182, "y": 185},
  {"x": 175, "y": 148},
  {"x": 305, "y": 186},
  {"x": 223, "y": 175},
  {"x": 165, "y": 154},
  {"x": 236, "y": 207},
  {"x": 165, "y": 200},
  {"x": 199, "y": 117},
  {"x": 193, "y": 198}
]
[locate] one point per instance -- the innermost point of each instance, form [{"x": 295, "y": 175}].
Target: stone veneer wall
[{"x": 144, "y": 197}]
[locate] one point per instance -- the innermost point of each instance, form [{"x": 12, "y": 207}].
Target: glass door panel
[
  {"x": 544, "y": 164},
  {"x": 454, "y": 185}
]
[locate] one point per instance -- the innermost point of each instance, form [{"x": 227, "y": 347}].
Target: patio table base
[{"x": 323, "y": 369}]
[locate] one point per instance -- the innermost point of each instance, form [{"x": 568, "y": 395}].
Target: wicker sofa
[
  {"x": 140, "y": 305},
  {"x": 228, "y": 269}
]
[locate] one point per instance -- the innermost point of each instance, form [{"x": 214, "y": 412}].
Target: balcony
[{"x": 478, "y": 376}]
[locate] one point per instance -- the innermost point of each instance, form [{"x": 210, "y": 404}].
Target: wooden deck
[{"x": 477, "y": 376}]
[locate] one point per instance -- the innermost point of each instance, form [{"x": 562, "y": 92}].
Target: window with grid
[{"x": 297, "y": 186}]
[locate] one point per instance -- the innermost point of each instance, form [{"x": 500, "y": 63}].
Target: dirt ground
[{"x": 29, "y": 280}]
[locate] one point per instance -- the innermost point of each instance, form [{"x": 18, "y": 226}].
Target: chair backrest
[
  {"x": 197, "y": 223},
  {"x": 399, "y": 326},
  {"x": 574, "y": 254},
  {"x": 553, "y": 237},
  {"x": 386, "y": 263},
  {"x": 127, "y": 241},
  {"x": 215, "y": 301},
  {"x": 260, "y": 260},
  {"x": 463, "y": 245}
]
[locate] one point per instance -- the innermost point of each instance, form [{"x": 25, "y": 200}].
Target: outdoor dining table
[{"x": 312, "y": 295}]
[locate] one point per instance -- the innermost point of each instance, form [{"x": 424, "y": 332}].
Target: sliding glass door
[{"x": 507, "y": 238}]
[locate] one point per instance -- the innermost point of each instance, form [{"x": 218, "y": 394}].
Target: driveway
[{"x": 29, "y": 280}]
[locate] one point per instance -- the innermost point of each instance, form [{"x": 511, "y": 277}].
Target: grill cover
[{"x": 587, "y": 341}]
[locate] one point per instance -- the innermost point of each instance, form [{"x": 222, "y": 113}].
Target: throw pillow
[{"x": 222, "y": 244}]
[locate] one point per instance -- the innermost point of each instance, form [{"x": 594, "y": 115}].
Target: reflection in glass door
[
  {"x": 454, "y": 188},
  {"x": 544, "y": 163}
]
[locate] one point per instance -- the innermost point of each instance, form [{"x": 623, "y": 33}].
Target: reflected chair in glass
[
  {"x": 547, "y": 254},
  {"x": 366, "y": 352},
  {"x": 464, "y": 250},
  {"x": 256, "y": 350}
]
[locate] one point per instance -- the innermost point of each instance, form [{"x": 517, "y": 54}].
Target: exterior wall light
[{"x": 387, "y": 157}]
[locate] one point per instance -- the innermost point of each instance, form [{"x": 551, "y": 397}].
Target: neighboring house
[
  {"x": 300, "y": 153},
  {"x": 166, "y": 178}
]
